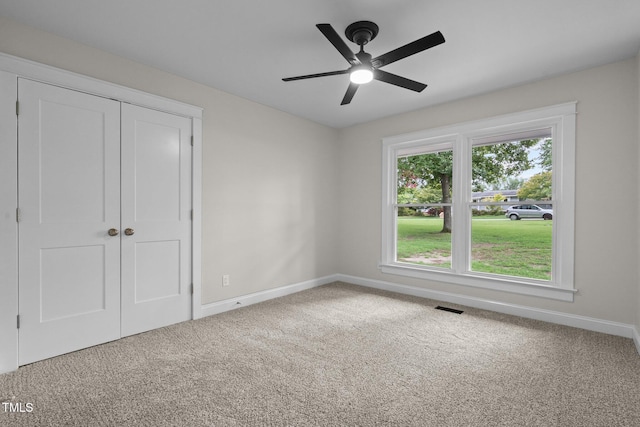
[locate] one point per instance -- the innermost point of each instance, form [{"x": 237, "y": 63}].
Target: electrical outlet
[{"x": 225, "y": 280}]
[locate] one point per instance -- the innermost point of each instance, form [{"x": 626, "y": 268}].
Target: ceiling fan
[{"x": 363, "y": 67}]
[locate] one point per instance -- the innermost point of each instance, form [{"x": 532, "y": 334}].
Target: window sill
[{"x": 478, "y": 281}]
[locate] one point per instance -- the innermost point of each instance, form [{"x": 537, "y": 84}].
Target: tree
[
  {"x": 418, "y": 195},
  {"x": 433, "y": 170},
  {"x": 490, "y": 163},
  {"x": 510, "y": 183},
  {"x": 538, "y": 187},
  {"x": 545, "y": 160},
  {"x": 495, "y": 209}
]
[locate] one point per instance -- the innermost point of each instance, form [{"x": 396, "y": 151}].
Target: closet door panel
[
  {"x": 68, "y": 190},
  {"x": 156, "y": 208}
]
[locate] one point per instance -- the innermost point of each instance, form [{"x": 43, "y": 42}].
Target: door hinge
[
  {"x": 18, "y": 321},
  {"x": 192, "y": 289},
  {"x": 17, "y": 108},
  {"x": 192, "y": 140},
  {"x": 18, "y": 216},
  {"x": 191, "y": 214}
]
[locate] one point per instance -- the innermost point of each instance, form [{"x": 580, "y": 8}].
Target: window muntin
[{"x": 558, "y": 124}]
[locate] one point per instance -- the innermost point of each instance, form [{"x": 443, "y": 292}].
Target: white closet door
[
  {"x": 69, "y": 197},
  {"x": 156, "y": 208}
]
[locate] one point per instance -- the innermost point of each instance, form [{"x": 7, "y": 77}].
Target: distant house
[
  {"x": 487, "y": 196},
  {"x": 509, "y": 195}
]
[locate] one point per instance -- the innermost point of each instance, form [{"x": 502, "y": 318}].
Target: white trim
[
  {"x": 196, "y": 223},
  {"x": 494, "y": 123},
  {"x": 573, "y": 320},
  {"x": 556, "y": 317},
  {"x": 560, "y": 120},
  {"x": 254, "y": 298},
  {"x": 70, "y": 80},
  {"x": 8, "y": 224},
  {"x": 582, "y": 322},
  {"x": 494, "y": 282}
]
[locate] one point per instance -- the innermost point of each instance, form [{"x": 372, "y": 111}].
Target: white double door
[{"x": 104, "y": 226}]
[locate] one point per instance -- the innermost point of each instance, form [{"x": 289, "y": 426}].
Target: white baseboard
[
  {"x": 576, "y": 321},
  {"x": 582, "y": 322},
  {"x": 245, "y": 300}
]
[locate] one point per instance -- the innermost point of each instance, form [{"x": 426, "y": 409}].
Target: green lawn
[{"x": 500, "y": 246}]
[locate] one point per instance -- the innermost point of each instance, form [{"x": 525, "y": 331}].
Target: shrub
[{"x": 405, "y": 211}]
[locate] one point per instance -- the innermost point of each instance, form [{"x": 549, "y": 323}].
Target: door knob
[
  {"x": 113, "y": 232},
  {"x": 129, "y": 231}
]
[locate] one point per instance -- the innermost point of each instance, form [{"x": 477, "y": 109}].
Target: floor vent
[{"x": 452, "y": 310}]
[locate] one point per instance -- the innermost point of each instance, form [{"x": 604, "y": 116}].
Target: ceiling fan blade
[
  {"x": 311, "y": 76},
  {"x": 351, "y": 90},
  {"x": 338, "y": 43},
  {"x": 409, "y": 49},
  {"x": 394, "y": 79}
]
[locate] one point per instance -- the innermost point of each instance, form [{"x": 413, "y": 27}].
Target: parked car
[{"x": 527, "y": 211}]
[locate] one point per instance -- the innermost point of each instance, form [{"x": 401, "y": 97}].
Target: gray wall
[
  {"x": 287, "y": 200},
  {"x": 269, "y": 178},
  {"x": 606, "y": 223}
]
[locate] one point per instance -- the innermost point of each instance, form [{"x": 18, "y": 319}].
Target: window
[{"x": 487, "y": 204}]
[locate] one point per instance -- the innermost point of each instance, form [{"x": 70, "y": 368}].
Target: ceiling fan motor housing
[{"x": 361, "y": 32}]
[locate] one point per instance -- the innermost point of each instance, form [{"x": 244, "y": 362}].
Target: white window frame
[{"x": 561, "y": 120}]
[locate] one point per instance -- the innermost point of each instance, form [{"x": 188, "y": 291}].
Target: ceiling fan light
[{"x": 361, "y": 76}]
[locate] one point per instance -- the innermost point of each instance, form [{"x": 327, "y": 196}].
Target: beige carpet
[{"x": 338, "y": 355}]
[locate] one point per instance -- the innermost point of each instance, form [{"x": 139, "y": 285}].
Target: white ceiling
[{"x": 245, "y": 47}]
